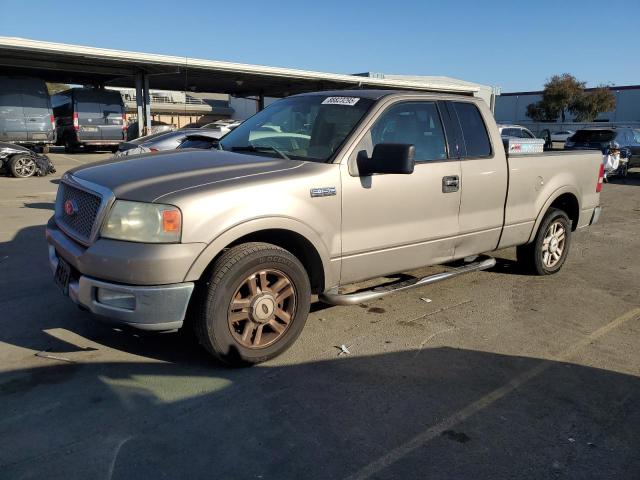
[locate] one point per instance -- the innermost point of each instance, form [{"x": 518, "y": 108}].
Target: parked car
[
  {"x": 599, "y": 138},
  {"x": 90, "y": 118},
  {"x": 26, "y": 116},
  {"x": 561, "y": 135},
  {"x": 223, "y": 126},
  {"x": 21, "y": 162},
  {"x": 515, "y": 131},
  {"x": 168, "y": 141},
  {"x": 156, "y": 127},
  {"x": 346, "y": 186}
]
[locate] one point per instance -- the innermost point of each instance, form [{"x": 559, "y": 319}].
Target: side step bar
[{"x": 333, "y": 297}]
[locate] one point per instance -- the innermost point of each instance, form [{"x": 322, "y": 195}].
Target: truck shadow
[
  {"x": 119, "y": 405},
  {"x": 437, "y": 413}
]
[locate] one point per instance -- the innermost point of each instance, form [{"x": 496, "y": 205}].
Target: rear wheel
[
  {"x": 549, "y": 250},
  {"x": 22, "y": 166},
  {"x": 254, "y": 305}
]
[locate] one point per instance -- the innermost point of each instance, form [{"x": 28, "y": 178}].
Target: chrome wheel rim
[
  {"x": 553, "y": 244},
  {"x": 262, "y": 308},
  {"x": 25, "y": 167}
]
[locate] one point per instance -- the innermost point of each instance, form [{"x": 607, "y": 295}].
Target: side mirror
[{"x": 387, "y": 158}]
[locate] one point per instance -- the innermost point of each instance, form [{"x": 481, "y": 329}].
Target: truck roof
[{"x": 373, "y": 94}]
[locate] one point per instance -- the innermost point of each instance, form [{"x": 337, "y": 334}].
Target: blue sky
[{"x": 516, "y": 45}]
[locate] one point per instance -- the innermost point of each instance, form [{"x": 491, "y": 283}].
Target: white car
[
  {"x": 562, "y": 135},
  {"x": 223, "y": 126}
]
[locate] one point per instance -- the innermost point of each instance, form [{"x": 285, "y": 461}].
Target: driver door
[{"x": 393, "y": 223}]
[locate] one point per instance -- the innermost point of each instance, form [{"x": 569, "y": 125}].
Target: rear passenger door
[
  {"x": 90, "y": 119},
  {"x": 37, "y": 113},
  {"x": 483, "y": 180},
  {"x": 112, "y": 113},
  {"x": 395, "y": 223},
  {"x": 12, "y": 124}
]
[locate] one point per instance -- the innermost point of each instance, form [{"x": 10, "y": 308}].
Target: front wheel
[
  {"x": 254, "y": 304},
  {"x": 548, "y": 252},
  {"x": 22, "y": 166}
]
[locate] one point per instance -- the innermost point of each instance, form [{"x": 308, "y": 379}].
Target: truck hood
[{"x": 145, "y": 178}]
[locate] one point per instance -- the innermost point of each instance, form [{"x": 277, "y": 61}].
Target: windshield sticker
[{"x": 348, "y": 101}]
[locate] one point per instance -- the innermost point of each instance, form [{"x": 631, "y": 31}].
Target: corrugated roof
[{"x": 58, "y": 62}]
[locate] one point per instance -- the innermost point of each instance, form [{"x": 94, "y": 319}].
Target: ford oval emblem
[{"x": 70, "y": 208}]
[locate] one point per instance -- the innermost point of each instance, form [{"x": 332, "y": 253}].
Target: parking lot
[{"x": 495, "y": 374}]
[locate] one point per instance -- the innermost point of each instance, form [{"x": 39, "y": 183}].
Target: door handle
[{"x": 450, "y": 184}]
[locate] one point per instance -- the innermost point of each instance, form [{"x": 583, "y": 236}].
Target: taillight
[
  {"x": 153, "y": 150},
  {"x": 124, "y": 122},
  {"x": 76, "y": 125},
  {"x": 53, "y": 122},
  {"x": 600, "y": 179}
]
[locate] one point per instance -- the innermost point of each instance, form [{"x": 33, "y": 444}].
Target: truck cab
[{"x": 309, "y": 196}]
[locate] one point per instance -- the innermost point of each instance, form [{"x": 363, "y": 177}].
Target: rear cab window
[{"x": 475, "y": 142}]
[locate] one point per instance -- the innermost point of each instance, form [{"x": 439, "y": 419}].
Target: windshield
[
  {"x": 309, "y": 127},
  {"x": 599, "y": 136}
]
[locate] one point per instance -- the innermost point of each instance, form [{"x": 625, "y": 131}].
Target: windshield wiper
[{"x": 258, "y": 148}]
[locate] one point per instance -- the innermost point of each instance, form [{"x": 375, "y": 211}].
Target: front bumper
[{"x": 150, "y": 307}]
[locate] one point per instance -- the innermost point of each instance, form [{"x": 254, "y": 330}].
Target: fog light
[{"x": 114, "y": 298}]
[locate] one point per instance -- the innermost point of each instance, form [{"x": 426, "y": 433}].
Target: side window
[
  {"x": 526, "y": 134},
  {"x": 474, "y": 130},
  {"x": 416, "y": 123}
]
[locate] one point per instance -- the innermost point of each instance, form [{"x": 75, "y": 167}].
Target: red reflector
[
  {"x": 171, "y": 220},
  {"x": 600, "y": 179}
]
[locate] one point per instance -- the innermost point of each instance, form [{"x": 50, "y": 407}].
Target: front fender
[{"x": 331, "y": 268}]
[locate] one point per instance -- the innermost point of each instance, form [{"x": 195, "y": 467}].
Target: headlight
[{"x": 143, "y": 222}]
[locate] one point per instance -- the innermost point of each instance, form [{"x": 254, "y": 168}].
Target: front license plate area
[{"x": 62, "y": 275}]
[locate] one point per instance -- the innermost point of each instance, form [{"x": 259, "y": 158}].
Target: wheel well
[
  {"x": 568, "y": 203},
  {"x": 298, "y": 245}
]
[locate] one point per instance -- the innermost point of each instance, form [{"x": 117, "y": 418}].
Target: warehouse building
[{"x": 512, "y": 108}]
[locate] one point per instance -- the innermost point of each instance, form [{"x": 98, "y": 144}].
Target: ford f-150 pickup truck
[{"x": 311, "y": 195}]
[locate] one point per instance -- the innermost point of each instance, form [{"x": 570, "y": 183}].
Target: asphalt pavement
[{"x": 491, "y": 375}]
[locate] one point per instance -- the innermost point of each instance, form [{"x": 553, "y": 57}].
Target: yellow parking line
[{"x": 484, "y": 402}]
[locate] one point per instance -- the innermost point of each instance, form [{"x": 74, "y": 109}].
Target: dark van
[
  {"x": 25, "y": 112},
  {"x": 90, "y": 118}
]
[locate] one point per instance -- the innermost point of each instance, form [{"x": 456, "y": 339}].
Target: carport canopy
[
  {"x": 57, "y": 62},
  {"x": 76, "y": 64}
]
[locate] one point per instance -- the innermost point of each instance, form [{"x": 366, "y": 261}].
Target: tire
[
  {"x": 240, "y": 311},
  {"x": 22, "y": 166},
  {"x": 548, "y": 251}
]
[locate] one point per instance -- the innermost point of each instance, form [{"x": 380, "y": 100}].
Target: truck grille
[{"x": 78, "y": 211}]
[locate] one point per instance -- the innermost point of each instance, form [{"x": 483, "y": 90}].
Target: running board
[{"x": 332, "y": 296}]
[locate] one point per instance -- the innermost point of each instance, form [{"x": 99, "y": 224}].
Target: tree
[
  {"x": 538, "y": 113},
  {"x": 587, "y": 106},
  {"x": 57, "y": 87},
  {"x": 564, "y": 93},
  {"x": 560, "y": 92}
]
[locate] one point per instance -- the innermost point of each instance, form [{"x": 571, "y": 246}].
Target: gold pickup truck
[{"x": 314, "y": 193}]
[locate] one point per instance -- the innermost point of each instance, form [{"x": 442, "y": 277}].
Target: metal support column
[
  {"x": 147, "y": 105},
  {"x": 261, "y": 102},
  {"x": 140, "y": 102}
]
